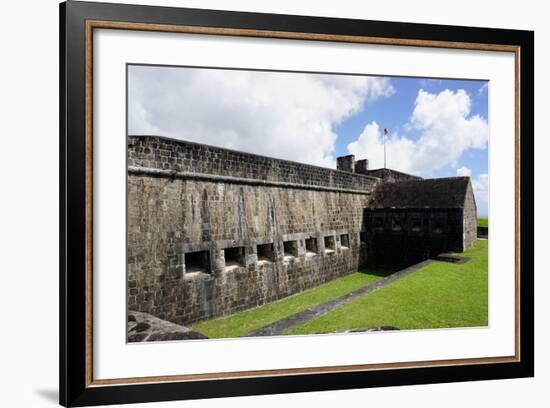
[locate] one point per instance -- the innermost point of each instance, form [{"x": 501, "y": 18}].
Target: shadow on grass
[{"x": 377, "y": 272}]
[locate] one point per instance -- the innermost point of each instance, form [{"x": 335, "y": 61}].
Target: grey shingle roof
[{"x": 429, "y": 193}]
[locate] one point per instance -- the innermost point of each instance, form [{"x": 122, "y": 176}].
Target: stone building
[
  {"x": 419, "y": 219},
  {"x": 212, "y": 231}
]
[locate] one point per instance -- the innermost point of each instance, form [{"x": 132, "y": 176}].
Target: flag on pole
[{"x": 385, "y": 133}]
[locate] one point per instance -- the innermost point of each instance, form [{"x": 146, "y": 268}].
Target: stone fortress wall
[
  {"x": 212, "y": 231},
  {"x": 469, "y": 219}
]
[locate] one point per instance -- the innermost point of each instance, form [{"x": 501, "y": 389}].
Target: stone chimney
[
  {"x": 346, "y": 163},
  {"x": 362, "y": 166}
]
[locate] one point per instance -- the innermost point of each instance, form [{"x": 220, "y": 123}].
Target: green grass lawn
[
  {"x": 437, "y": 296},
  {"x": 244, "y": 322},
  {"x": 483, "y": 222}
]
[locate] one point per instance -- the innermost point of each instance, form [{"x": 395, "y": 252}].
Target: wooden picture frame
[{"x": 78, "y": 20}]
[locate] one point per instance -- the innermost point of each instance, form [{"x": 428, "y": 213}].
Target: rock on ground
[
  {"x": 369, "y": 329},
  {"x": 145, "y": 327}
]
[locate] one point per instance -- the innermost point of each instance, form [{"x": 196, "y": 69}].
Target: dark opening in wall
[
  {"x": 234, "y": 257},
  {"x": 330, "y": 245},
  {"x": 265, "y": 253},
  {"x": 363, "y": 237},
  {"x": 438, "y": 226},
  {"x": 311, "y": 246},
  {"x": 290, "y": 248},
  {"x": 426, "y": 233},
  {"x": 379, "y": 222},
  {"x": 344, "y": 241},
  {"x": 396, "y": 222},
  {"x": 416, "y": 223},
  {"x": 196, "y": 262}
]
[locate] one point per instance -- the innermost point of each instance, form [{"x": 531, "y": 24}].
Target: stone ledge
[
  {"x": 187, "y": 175},
  {"x": 451, "y": 258},
  {"x": 483, "y": 232}
]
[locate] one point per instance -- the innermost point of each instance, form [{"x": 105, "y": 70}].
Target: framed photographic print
[{"x": 256, "y": 203}]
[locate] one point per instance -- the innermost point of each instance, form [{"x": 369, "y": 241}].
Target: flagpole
[{"x": 385, "y": 133}]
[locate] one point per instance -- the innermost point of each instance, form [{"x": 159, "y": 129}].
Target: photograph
[
  {"x": 274, "y": 204},
  {"x": 256, "y": 203},
  {"x": 287, "y": 203}
]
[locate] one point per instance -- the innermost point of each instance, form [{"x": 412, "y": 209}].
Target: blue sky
[
  {"x": 394, "y": 112},
  {"x": 437, "y": 127}
]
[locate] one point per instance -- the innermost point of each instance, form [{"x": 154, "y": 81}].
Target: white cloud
[
  {"x": 483, "y": 88},
  {"x": 464, "y": 171},
  {"x": 481, "y": 188},
  {"x": 284, "y": 115},
  {"x": 400, "y": 151},
  {"x": 480, "y": 185},
  {"x": 446, "y": 130}
]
